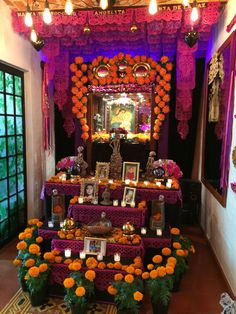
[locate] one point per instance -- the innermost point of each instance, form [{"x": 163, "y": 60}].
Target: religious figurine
[
  {"x": 83, "y": 164},
  {"x": 106, "y": 196},
  {"x": 97, "y": 122},
  {"x": 149, "y": 166},
  {"x": 116, "y": 159}
]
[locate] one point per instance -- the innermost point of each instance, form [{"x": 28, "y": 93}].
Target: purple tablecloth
[{"x": 171, "y": 196}]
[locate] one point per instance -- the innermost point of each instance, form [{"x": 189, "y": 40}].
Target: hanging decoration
[{"x": 123, "y": 70}]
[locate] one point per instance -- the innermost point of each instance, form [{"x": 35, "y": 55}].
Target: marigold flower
[
  {"x": 21, "y": 245},
  {"x": 29, "y": 262},
  {"x": 118, "y": 277},
  {"x": 145, "y": 275},
  {"x": 110, "y": 265},
  {"x": 84, "y": 67},
  {"x": 48, "y": 256},
  {"x": 153, "y": 274},
  {"x": 101, "y": 265},
  {"x": 117, "y": 265},
  {"x": 169, "y": 270},
  {"x": 129, "y": 278},
  {"x": 73, "y": 67},
  {"x": 166, "y": 251},
  {"x": 76, "y": 266},
  {"x": 138, "y": 271},
  {"x": 177, "y": 245},
  {"x": 170, "y": 265},
  {"x": 138, "y": 296},
  {"x": 130, "y": 269},
  {"x": 80, "y": 291},
  {"x": 21, "y": 236},
  {"x": 157, "y": 259},
  {"x": 180, "y": 253},
  {"x": 150, "y": 266},
  {"x": 39, "y": 239},
  {"x": 169, "y": 66},
  {"x": 85, "y": 136},
  {"x": 34, "y": 271},
  {"x": 58, "y": 259},
  {"x": 172, "y": 259},
  {"x": 156, "y": 136},
  {"x": 112, "y": 290},
  {"x": 67, "y": 261},
  {"x": 175, "y": 231},
  {"x": 68, "y": 283},
  {"x": 161, "y": 271},
  {"x": 43, "y": 267},
  {"x": 85, "y": 128},
  {"x": 16, "y": 262},
  {"x": 166, "y": 109},
  {"x": 34, "y": 249},
  {"x": 91, "y": 262},
  {"x": 79, "y": 60},
  {"x": 164, "y": 59},
  {"x": 90, "y": 275}
]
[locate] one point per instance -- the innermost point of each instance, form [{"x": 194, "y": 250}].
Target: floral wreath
[{"x": 158, "y": 73}]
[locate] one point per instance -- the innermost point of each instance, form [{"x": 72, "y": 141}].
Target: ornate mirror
[{"x": 218, "y": 115}]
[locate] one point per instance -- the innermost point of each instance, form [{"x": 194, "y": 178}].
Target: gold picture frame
[
  {"x": 89, "y": 190},
  {"x": 129, "y": 195},
  {"x": 102, "y": 170},
  {"x": 95, "y": 246},
  {"x": 130, "y": 171}
]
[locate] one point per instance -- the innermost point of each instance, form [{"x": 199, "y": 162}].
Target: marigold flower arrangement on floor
[
  {"x": 127, "y": 290},
  {"x": 79, "y": 288}
]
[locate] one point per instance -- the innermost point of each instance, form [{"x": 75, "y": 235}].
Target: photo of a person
[
  {"x": 95, "y": 246},
  {"x": 102, "y": 170},
  {"x": 129, "y": 195},
  {"x": 130, "y": 171},
  {"x": 89, "y": 190}
]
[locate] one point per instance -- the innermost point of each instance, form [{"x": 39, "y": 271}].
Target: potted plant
[
  {"x": 79, "y": 288},
  {"x": 128, "y": 292}
]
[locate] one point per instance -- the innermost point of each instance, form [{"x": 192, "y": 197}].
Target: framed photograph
[
  {"x": 95, "y": 246},
  {"x": 129, "y": 195},
  {"x": 102, "y": 170},
  {"x": 157, "y": 219},
  {"x": 89, "y": 190},
  {"x": 130, "y": 171}
]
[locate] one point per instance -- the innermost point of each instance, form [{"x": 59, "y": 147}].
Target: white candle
[
  {"x": 80, "y": 200},
  {"x": 127, "y": 181},
  {"x": 95, "y": 201},
  {"x": 168, "y": 185},
  {"x": 117, "y": 257},
  {"x": 50, "y": 224},
  {"x": 146, "y": 183},
  {"x": 132, "y": 204},
  {"x": 67, "y": 253},
  {"x": 143, "y": 230},
  {"x": 111, "y": 181},
  {"x": 63, "y": 177},
  {"x": 99, "y": 257},
  {"x": 159, "y": 232},
  {"x": 82, "y": 254},
  {"x": 115, "y": 202},
  {"x": 169, "y": 181},
  {"x": 158, "y": 183},
  {"x": 61, "y": 224},
  {"x": 135, "y": 183},
  {"x": 123, "y": 203}
]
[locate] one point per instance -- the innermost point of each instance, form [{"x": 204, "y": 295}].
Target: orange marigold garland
[{"x": 84, "y": 74}]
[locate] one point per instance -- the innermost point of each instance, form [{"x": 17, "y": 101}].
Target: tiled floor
[{"x": 200, "y": 288}]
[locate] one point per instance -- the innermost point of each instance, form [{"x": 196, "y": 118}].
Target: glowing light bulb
[
  {"x": 194, "y": 14},
  {"x": 185, "y": 3},
  {"x": 47, "y": 17},
  {"x": 103, "y": 4},
  {"x": 33, "y": 36},
  {"x": 68, "y": 7},
  {"x": 28, "y": 17},
  {"x": 152, "y": 8}
]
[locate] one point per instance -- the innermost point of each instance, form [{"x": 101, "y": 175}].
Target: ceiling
[{"x": 38, "y": 5}]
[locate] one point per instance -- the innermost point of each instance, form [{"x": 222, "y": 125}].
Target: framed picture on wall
[
  {"x": 102, "y": 170},
  {"x": 130, "y": 171}
]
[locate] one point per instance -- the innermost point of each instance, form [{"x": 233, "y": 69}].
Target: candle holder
[
  {"x": 159, "y": 232},
  {"x": 80, "y": 200},
  {"x": 127, "y": 181},
  {"x": 117, "y": 257},
  {"x": 67, "y": 253},
  {"x": 82, "y": 255},
  {"x": 123, "y": 203},
  {"x": 99, "y": 257},
  {"x": 132, "y": 204},
  {"x": 143, "y": 230},
  {"x": 50, "y": 224},
  {"x": 168, "y": 185},
  {"x": 158, "y": 183},
  {"x": 146, "y": 183},
  {"x": 115, "y": 202}
]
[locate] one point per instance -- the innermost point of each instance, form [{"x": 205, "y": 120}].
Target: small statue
[
  {"x": 106, "y": 196},
  {"x": 229, "y": 305},
  {"x": 97, "y": 122},
  {"x": 83, "y": 164},
  {"x": 149, "y": 166},
  {"x": 116, "y": 159}
]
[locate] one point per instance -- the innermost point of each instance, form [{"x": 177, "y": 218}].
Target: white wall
[
  {"x": 220, "y": 223},
  {"x": 19, "y": 53}
]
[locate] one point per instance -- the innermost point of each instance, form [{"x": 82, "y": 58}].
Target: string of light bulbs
[{"x": 103, "y": 4}]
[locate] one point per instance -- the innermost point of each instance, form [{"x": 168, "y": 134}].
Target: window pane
[
  {"x": 3, "y": 168},
  {"x": 19, "y": 125},
  {"x": 10, "y": 104},
  {"x": 20, "y": 182},
  {"x": 3, "y": 210},
  {"x": 2, "y": 108},
  {"x": 21, "y": 199},
  {"x": 3, "y": 189},
  {"x": 13, "y": 224},
  {"x": 19, "y": 144},
  {"x": 2, "y": 147},
  {"x": 10, "y": 126},
  {"x": 13, "y": 203},
  {"x": 18, "y": 88},
  {"x": 12, "y": 185},
  {"x": 18, "y": 105},
  {"x": 12, "y": 165},
  {"x": 11, "y": 145},
  {"x": 20, "y": 163},
  {"x": 3, "y": 230},
  {"x": 2, "y": 123},
  {"x": 1, "y": 81},
  {"x": 9, "y": 83}
]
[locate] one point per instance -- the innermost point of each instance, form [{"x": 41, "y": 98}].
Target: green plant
[
  {"x": 37, "y": 276},
  {"x": 127, "y": 291},
  {"x": 159, "y": 289}
]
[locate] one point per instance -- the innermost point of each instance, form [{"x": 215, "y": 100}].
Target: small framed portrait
[
  {"x": 130, "y": 171},
  {"x": 95, "y": 246},
  {"x": 89, "y": 190},
  {"x": 102, "y": 170},
  {"x": 129, "y": 195},
  {"x": 157, "y": 219}
]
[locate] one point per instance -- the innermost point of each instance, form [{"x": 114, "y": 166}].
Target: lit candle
[
  {"x": 82, "y": 255},
  {"x": 63, "y": 177},
  {"x": 111, "y": 181},
  {"x": 99, "y": 257},
  {"x": 80, "y": 200},
  {"x": 132, "y": 204},
  {"x": 146, "y": 183},
  {"x": 143, "y": 230},
  {"x": 115, "y": 202},
  {"x": 95, "y": 201},
  {"x": 61, "y": 224},
  {"x": 67, "y": 253},
  {"x": 127, "y": 181},
  {"x": 50, "y": 224},
  {"x": 123, "y": 203},
  {"x": 168, "y": 185},
  {"x": 117, "y": 257},
  {"x": 158, "y": 183},
  {"x": 169, "y": 181},
  {"x": 135, "y": 183},
  {"x": 159, "y": 232}
]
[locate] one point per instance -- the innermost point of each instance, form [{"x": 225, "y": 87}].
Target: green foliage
[
  {"x": 36, "y": 284},
  {"x": 159, "y": 289},
  {"x": 180, "y": 267},
  {"x": 124, "y": 297}
]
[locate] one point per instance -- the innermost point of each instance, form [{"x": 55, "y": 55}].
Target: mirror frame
[{"x": 230, "y": 41}]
